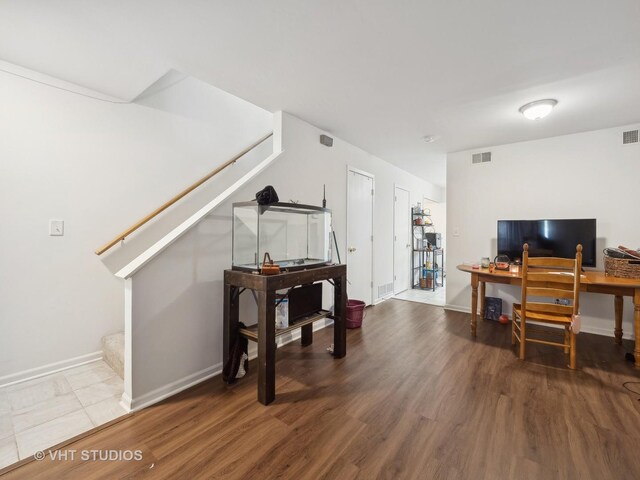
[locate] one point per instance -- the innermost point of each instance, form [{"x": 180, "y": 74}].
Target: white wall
[
  {"x": 585, "y": 175},
  {"x": 177, "y": 297},
  {"x": 322, "y": 165},
  {"x": 100, "y": 167}
]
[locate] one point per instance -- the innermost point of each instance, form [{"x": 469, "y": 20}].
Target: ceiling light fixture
[
  {"x": 538, "y": 109},
  {"x": 430, "y": 138}
]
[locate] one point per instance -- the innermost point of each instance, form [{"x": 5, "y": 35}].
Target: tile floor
[
  {"x": 424, "y": 296},
  {"x": 40, "y": 413}
]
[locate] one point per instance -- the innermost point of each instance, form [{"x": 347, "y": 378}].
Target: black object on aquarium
[{"x": 267, "y": 196}]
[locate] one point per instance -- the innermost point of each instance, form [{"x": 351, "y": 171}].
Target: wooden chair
[{"x": 547, "y": 279}]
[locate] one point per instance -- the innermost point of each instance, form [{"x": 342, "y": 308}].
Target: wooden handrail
[{"x": 185, "y": 192}]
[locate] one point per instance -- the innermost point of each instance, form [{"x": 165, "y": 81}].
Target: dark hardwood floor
[{"x": 415, "y": 397}]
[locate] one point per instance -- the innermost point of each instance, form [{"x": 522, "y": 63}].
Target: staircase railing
[{"x": 182, "y": 194}]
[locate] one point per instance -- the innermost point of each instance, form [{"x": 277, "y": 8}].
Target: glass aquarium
[{"x": 295, "y": 236}]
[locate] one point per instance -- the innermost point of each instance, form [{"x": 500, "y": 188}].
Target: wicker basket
[{"x": 621, "y": 267}]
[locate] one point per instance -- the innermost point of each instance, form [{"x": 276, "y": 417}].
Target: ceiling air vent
[
  {"x": 483, "y": 157},
  {"x": 630, "y": 137}
]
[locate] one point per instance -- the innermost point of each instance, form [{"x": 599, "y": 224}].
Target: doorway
[
  {"x": 360, "y": 190},
  {"x": 401, "y": 240}
]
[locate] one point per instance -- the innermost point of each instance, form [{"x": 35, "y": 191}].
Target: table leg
[
  {"x": 266, "y": 346},
  {"x": 230, "y": 319},
  {"x": 474, "y": 303},
  {"x": 636, "y": 322},
  {"x": 617, "y": 332},
  {"x": 306, "y": 335},
  {"x": 339, "y": 314},
  {"x": 482, "y": 286}
]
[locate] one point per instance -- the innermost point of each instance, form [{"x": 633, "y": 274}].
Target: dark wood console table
[{"x": 265, "y": 286}]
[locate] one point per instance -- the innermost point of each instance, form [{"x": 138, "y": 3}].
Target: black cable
[{"x": 286, "y": 295}]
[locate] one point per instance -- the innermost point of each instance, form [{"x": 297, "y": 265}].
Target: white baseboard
[
  {"x": 170, "y": 389},
  {"x": 605, "y": 332},
  {"x": 382, "y": 299},
  {"x": 125, "y": 402},
  {"x": 457, "y": 308},
  {"x": 55, "y": 367},
  {"x": 166, "y": 391}
]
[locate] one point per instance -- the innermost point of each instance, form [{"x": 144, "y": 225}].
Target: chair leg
[
  {"x": 523, "y": 336},
  {"x": 513, "y": 326},
  {"x": 566, "y": 339},
  {"x": 572, "y": 352}
]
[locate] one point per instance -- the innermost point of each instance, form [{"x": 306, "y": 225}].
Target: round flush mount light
[
  {"x": 430, "y": 138},
  {"x": 538, "y": 109}
]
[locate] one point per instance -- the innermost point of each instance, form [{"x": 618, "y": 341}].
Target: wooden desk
[
  {"x": 592, "y": 281},
  {"x": 235, "y": 282}
]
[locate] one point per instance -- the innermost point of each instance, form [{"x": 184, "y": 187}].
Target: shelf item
[
  {"x": 434, "y": 239},
  {"x": 252, "y": 332},
  {"x": 422, "y": 221},
  {"x": 431, "y": 276},
  {"x": 427, "y": 263},
  {"x": 418, "y": 210}
]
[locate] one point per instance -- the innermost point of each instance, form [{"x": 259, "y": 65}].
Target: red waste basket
[{"x": 355, "y": 313}]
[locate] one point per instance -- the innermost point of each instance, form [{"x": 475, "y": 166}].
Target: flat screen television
[{"x": 549, "y": 238}]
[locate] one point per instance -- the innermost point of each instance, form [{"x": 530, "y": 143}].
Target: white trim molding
[
  {"x": 457, "y": 308},
  {"x": 170, "y": 389},
  {"x": 50, "y": 368}
]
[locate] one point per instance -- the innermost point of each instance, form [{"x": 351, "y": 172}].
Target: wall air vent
[
  {"x": 384, "y": 290},
  {"x": 630, "y": 137},
  {"x": 483, "y": 157}
]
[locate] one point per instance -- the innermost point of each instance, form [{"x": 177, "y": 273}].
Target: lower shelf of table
[{"x": 252, "y": 332}]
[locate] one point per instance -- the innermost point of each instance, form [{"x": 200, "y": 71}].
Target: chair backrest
[{"x": 550, "y": 278}]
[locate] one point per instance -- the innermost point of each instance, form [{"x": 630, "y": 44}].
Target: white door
[
  {"x": 401, "y": 240},
  {"x": 359, "y": 236}
]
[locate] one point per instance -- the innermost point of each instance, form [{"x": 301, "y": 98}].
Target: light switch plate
[{"x": 56, "y": 228}]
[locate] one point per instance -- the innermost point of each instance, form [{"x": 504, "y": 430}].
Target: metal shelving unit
[{"x": 427, "y": 264}]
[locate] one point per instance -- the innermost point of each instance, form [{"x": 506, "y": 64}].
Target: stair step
[{"x": 113, "y": 352}]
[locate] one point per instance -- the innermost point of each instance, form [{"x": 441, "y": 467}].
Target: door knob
[
  {"x": 408, "y": 245},
  {"x": 352, "y": 249}
]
